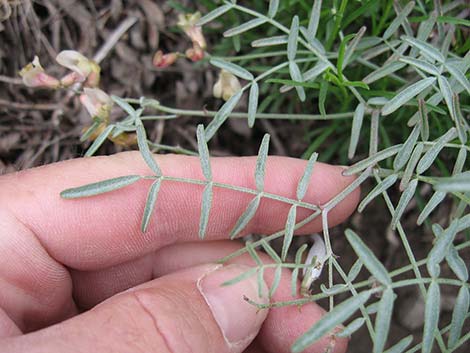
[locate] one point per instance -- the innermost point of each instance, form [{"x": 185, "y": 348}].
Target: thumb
[{"x": 186, "y": 311}]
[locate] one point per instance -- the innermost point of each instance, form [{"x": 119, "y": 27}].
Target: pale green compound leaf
[
  {"x": 246, "y": 217},
  {"x": 406, "y": 95},
  {"x": 429, "y": 157},
  {"x": 422, "y": 65},
  {"x": 295, "y": 272},
  {"x": 232, "y": 68},
  {"x": 461, "y": 308},
  {"x": 397, "y": 22},
  {"x": 276, "y": 281},
  {"x": 446, "y": 92},
  {"x": 368, "y": 258},
  {"x": 459, "y": 182},
  {"x": 376, "y": 191},
  {"x": 355, "y": 270},
  {"x": 222, "y": 115},
  {"x": 383, "y": 71},
  {"x": 401, "y": 345},
  {"x": 441, "y": 248},
  {"x": 457, "y": 264},
  {"x": 273, "y": 7},
  {"x": 372, "y": 160},
  {"x": 271, "y": 252},
  {"x": 431, "y": 316},
  {"x": 460, "y": 122},
  {"x": 260, "y": 168},
  {"x": 100, "y": 187},
  {"x": 254, "y": 255},
  {"x": 433, "y": 202},
  {"x": 270, "y": 41},
  {"x": 382, "y": 321},
  {"x": 423, "y": 114},
  {"x": 405, "y": 153},
  {"x": 405, "y": 199},
  {"x": 356, "y": 129},
  {"x": 150, "y": 204},
  {"x": 144, "y": 148},
  {"x": 314, "y": 19},
  {"x": 296, "y": 75},
  {"x": 337, "y": 288},
  {"x": 411, "y": 166},
  {"x": 346, "y": 191},
  {"x": 253, "y": 103},
  {"x": 425, "y": 48},
  {"x": 293, "y": 37},
  {"x": 124, "y": 105},
  {"x": 304, "y": 181},
  {"x": 458, "y": 75},
  {"x": 460, "y": 161},
  {"x": 245, "y": 275},
  {"x": 99, "y": 141},
  {"x": 351, "y": 328},
  {"x": 352, "y": 46},
  {"x": 244, "y": 27},
  {"x": 329, "y": 321},
  {"x": 203, "y": 153},
  {"x": 289, "y": 231},
  {"x": 206, "y": 205},
  {"x": 214, "y": 14}
]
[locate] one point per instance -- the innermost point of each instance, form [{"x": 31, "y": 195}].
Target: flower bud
[
  {"x": 195, "y": 53},
  {"x": 164, "y": 60},
  {"x": 97, "y": 103},
  {"x": 188, "y": 23},
  {"x": 76, "y": 62},
  {"x": 34, "y": 75},
  {"x": 226, "y": 86}
]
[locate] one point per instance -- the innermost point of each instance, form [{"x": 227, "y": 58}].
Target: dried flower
[
  {"x": 81, "y": 65},
  {"x": 226, "y": 86},
  {"x": 316, "y": 257},
  {"x": 97, "y": 103},
  {"x": 164, "y": 60},
  {"x": 188, "y": 23},
  {"x": 34, "y": 75}
]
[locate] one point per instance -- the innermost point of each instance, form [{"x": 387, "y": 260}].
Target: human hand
[{"x": 79, "y": 276}]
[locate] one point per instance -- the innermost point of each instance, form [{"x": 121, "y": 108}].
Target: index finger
[{"x": 104, "y": 230}]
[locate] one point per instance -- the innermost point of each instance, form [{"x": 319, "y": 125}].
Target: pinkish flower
[
  {"x": 195, "y": 53},
  {"x": 188, "y": 23},
  {"x": 80, "y": 65},
  {"x": 34, "y": 75},
  {"x": 97, "y": 102},
  {"x": 164, "y": 60}
]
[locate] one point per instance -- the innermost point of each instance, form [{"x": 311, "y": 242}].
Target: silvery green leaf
[
  {"x": 372, "y": 308},
  {"x": 296, "y": 75},
  {"x": 459, "y": 182},
  {"x": 266, "y": 42},
  {"x": 440, "y": 249},
  {"x": 273, "y": 7},
  {"x": 289, "y": 231},
  {"x": 374, "y": 132},
  {"x": 260, "y": 169},
  {"x": 355, "y": 270},
  {"x": 253, "y": 103},
  {"x": 337, "y": 288},
  {"x": 244, "y": 27},
  {"x": 206, "y": 206},
  {"x": 222, "y": 115},
  {"x": 405, "y": 199},
  {"x": 429, "y": 157},
  {"x": 431, "y": 316},
  {"x": 314, "y": 19},
  {"x": 423, "y": 114},
  {"x": 460, "y": 161},
  {"x": 203, "y": 153},
  {"x": 214, "y": 14},
  {"x": 448, "y": 40},
  {"x": 411, "y": 166},
  {"x": 246, "y": 217},
  {"x": 446, "y": 92},
  {"x": 457, "y": 264},
  {"x": 383, "y": 71},
  {"x": 382, "y": 321},
  {"x": 352, "y": 46},
  {"x": 271, "y": 252},
  {"x": 150, "y": 204},
  {"x": 242, "y": 277},
  {"x": 400, "y": 346},
  {"x": 144, "y": 148},
  {"x": 368, "y": 258},
  {"x": 254, "y": 255},
  {"x": 260, "y": 281},
  {"x": 422, "y": 65},
  {"x": 100, "y": 187},
  {"x": 372, "y": 160},
  {"x": 402, "y": 15},
  {"x": 404, "y": 154},
  {"x": 460, "y": 122},
  {"x": 329, "y": 321},
  {"x": 346, "y": 191},
  {"x": 380, "y": 188},
  {"x": 464, "y": 223},
  {"x": 124, "y": 105},
  {"x": 276, "y": 281},
  {"x": 377, "y": 101},
  {"x": 293, "y": 37},
  {"x": 425, "y": 48},
  {"x": 351, "y": 328},
  {"x": 461, "y": 308},
  {"x": 305, "y": 179},
  {"x": 458, "y": 75},
  {"x": 86, "y": 135},
  {"x": 295, "y": 272},
  {"x": 406, "y": 95},
  {"x": 425, "y": 29},
  {"x": 232, "y": 68},
  {"x": 356, "y": 129},
  {"x": 313, "y": 73},
  {"x": 99, "y": 141},
  {"x": 433, "y": 202}
]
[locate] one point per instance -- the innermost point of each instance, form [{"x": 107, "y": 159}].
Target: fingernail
[{"x": 238, "y": 320}]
